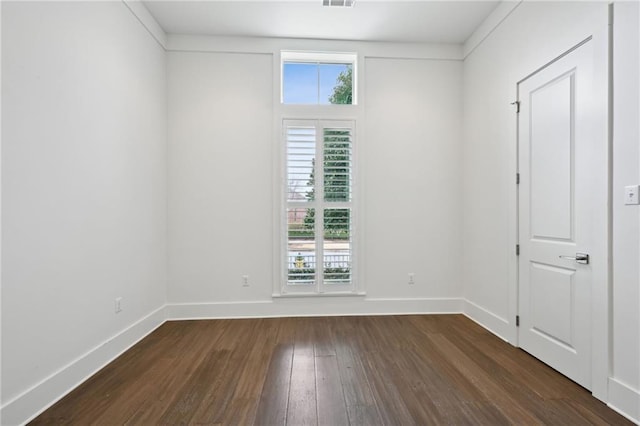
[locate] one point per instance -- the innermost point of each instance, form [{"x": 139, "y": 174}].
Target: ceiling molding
[
  {"x": 139, "y": 10},
  {"x": 266, "y": 45},
  {"x": 493, "y": 21}
]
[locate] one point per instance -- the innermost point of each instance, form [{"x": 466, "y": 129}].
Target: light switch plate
[{"x": 631, "y": 194}]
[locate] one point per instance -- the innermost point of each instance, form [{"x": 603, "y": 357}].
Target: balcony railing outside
[{"x": 302, "y": 268}]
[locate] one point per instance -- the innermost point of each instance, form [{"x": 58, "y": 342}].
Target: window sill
[{"x": 315, "y": 295}]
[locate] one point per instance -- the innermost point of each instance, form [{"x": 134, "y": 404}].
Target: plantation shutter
[
  {"x": 337, "y": 172},
  {"x": 337, "y": 164},
  {"x": 301, "y": 245},
  {"x": 301, "y": 153},
  {"x": 319, "y": 211}
]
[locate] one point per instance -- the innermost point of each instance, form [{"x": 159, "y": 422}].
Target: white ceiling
[{"x": 397, "y": 21}]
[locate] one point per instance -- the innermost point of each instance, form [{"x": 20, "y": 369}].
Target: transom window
[{"x": 318, "y": 78}]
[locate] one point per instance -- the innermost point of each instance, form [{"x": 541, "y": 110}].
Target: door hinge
[
  {"x": 517, "y": 178},
  {"x": 517, "y": 320},
  {"x": 517, "y": 104},
  {"x": 517, "y": 249}
]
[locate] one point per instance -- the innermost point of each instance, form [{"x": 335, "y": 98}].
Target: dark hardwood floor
[{"x": 391, "y": 370}]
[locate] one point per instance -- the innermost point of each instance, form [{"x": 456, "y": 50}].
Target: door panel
[
  {"x": 555, "y": 146},
  {"x": 550, "y": 317},
  {"x": 551, "y": 157}
]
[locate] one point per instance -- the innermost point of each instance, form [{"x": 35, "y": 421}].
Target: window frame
[
  {"x": 329, "y": 112},
  {"x": 319, "y": 204},
  {"x": 320, "y": 58}
]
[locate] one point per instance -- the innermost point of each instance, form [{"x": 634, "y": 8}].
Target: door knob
[{"x": 582, "y": 258}]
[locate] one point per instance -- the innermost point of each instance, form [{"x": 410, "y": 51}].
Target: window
[
  {"x": 319, "y": 205},
  {"x": 317, "y": 214},
  {"x": 318, "y": 78}
]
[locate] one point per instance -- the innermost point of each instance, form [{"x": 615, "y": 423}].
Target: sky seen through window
[{"x": 310, "y": 83}]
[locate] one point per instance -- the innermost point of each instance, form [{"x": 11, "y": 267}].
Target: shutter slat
[
  {"x": 301, "y": 152},
  {"x": 337, "y": 164}
]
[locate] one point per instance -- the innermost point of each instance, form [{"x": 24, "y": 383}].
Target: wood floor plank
[
  {"x": 323, "y": 342},
  {"x": 391, "y": 406},
  {"x": 241, "y": 411},
  {"x": 417, "y": 369},
  {"x": 332, "y": 409},
  {"x": 251, "y": 378},
  {"x": 467, "y": 366},
  {"x": 478, "y": 413},
  {"x": 123, "y": 407},
  {"x": 200, "y": 397},
  {"x": 596, "y": 413},
  {"x": 446, "y": 384},
  {"x": 526, "y": 367},
  {"x": 302, "y": 406},
  {"x": 560, "y": 411},
  {"x": 274, "y": 398},
  {"x": 511, "y": 367},
  {"x": 355, "y": 384},
  {"x": 109, "y": 387},
  {"x": 213, "y": 407},
  {"x": 409, "y": 388},
  {"x": 535, "y": 396},
  {"x": 364, "y": 415},
  {"x": 361, "y": 334},
  {"x": 361, "y": 406},
  {"x": 193, "y": 391}
]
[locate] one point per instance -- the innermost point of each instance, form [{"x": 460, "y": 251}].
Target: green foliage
[
  {"x": 343, "y": 91},
  {"x": 299, "y": 231},
  {"x": 309, "y": 274},
  {"x": 337, "y": 169},
  {"x": 337, "y": 164}
]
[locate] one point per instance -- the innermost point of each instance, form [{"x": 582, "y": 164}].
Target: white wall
[
  {"x": 533, "y": 34},
  {"x": 83, "y": 193},
  {"x": 625, "y": 382},
  {"x": 412, "y": 157},
  {"x": 220, "y": 204},
  {"x": 221, "y": 174}
]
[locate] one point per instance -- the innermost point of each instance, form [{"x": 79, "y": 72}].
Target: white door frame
[{"x": 601, "y": 288}]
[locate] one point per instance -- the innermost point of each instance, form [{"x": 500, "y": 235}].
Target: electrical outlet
[
  {"x": 245, "y": 281},
  {"x": 412, "y": 278},
  {"x": 631, "y": 194},
  {"x": 118, "y": 305}
]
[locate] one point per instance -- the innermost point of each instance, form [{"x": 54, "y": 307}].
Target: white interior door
[{"x": 556, "y": 166}]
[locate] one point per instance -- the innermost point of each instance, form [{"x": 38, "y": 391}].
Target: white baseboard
[
  {"x": 495, "y": 324},
  {"x": 316, "y": 306},
  {"x": 26, "y": 406},
  {"x": 624, "y": 399}
]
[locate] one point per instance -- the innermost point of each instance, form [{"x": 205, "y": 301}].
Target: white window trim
[
  {"x": 280, "y": 253},
  {"x": 323, "y": 58},
  {"x": 319, "y": 288},
  {"x": 283, "y": 112}
]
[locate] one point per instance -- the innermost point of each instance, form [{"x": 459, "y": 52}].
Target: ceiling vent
[{"x": 338, "y": 3}]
